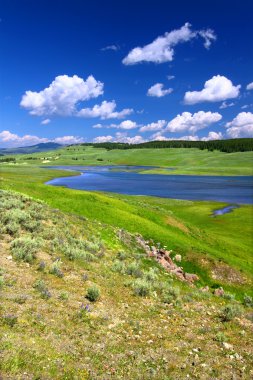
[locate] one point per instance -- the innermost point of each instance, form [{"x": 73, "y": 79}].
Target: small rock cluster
[{"x": 164, "y": 258}]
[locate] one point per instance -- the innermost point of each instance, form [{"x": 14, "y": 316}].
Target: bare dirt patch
[{"x": 176, "y": 223}]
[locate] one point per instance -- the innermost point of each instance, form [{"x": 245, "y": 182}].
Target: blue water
[
  {"x": 224, "y": 210},
  {"x": 127, "y": 180}
]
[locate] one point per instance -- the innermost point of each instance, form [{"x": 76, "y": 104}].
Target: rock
[
  {"x": 9, "y": 257},
  {"x": 191, "y": 277},
  {"x": 205, "y": 289},
  {"x": 219, "y": 292},
  {"x": 227, "y": 346},
  {"x": 178, "y": 258}
]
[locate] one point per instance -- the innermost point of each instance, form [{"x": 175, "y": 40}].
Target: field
[
  {"x": 182, "y": 161},
  {"x": 144, "y": 323}
]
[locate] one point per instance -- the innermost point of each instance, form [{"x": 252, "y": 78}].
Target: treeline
[
  {"x": 228, "y": 146},
  {"x": 8, "y": 159}
]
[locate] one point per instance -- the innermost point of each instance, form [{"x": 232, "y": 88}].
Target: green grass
[
  {"x": 183, "y": 161},
  {"x": 217, "y": 249},
  {"x": 154, "y": 327}
]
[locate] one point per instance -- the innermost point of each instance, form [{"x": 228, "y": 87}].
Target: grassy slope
[
  {"x": 207, "y": 244},
  {"x": 183, "y": 161},
  {"x": 123, "y": 336}
]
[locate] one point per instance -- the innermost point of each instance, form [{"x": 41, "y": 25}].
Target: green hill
[
  {"x": 43, "y": 147},
  {"x": 81, "y": 299}
]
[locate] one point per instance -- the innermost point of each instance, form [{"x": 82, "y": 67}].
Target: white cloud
[
  {"x": 226, "y": 105},
  {"x": 213, "y": 136},
  {"x": 170, "y": 77},
  {"x": 155, "y": 126},
  {"x": 157, "y": 90},
  {"x": 240, "y": 126},
  {"x": 162, "y": 48},
  {"x": 105, "y": 110},
  {"x": 127, "y": 124},
  {"x": 12, "y": 140},
  {"x": 102, "y": 139},
  {"x": 45, "y": 122},
  {"x": 66, "y": 140},
  {"x": 120, "y": 137},
  {"x": 8, "y": 139},
  {"x": 249, "y": 86},
  {"x": 192, "y": 122},
  {"x": 158, "y": 136},
  {"x": 111, "y": 47},
  {"x": 247, "y": 106},
  {"x": 62, "y": 96},
  {"x": 216, "y": 89}
]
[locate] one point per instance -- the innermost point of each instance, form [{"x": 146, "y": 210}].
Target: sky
[{"x": 75, "y": 71}]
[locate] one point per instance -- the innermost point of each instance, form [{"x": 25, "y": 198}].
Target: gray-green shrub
[
  {"x": 229, "y": 312},
  {"x": 93, "y": 293},
  {"x": 25, "y": 249},
  {"x": 141, "y": 287}
]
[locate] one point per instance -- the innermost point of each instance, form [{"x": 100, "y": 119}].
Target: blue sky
[{"x": 133, "y": 71}]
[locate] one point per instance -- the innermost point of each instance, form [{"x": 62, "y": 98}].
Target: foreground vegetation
[
  {"x": 179, "y": 161},
  {"x": 80, "y": 299}
]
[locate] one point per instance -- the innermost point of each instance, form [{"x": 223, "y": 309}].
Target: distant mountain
[{"x": 43, "y": 147}]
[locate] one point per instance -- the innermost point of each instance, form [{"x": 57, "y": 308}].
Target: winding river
[{"x": 129, "y": 180}]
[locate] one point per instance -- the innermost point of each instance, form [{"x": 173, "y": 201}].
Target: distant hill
[{"x": 43, "y": 147}]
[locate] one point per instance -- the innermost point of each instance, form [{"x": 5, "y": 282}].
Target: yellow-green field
[{"x": 182, "y": 161}]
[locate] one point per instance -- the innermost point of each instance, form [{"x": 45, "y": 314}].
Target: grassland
[
  {"x": 145, "y": 324},
  {"x": 182, "y": 161},
  {"x": 217, "y": 249}
]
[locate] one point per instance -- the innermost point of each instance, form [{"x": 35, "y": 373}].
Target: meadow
[
  {"x": 80, "y": 297},
  {"x": 209, "y": 246},
  {"x": 182, "y": 161}
]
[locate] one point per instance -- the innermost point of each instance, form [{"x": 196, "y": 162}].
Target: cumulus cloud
[
  {"x": 240, "y": 126},
  {"x": 102, "y": 139},
  {"x": 162, "y": 48},
  {"x": 155, "y": 126},
  {"x": 11, "y": 139},
  {"x": 62, "y": 96},
  {"x": 170, "y": 77},
  {"x": 158, "y": 91},
  {"x": 120, "y": 137},
  {"x": 226, "y": 105},
  {"x": 66, "y": 140},
  {"x": 45, "y": 122},
  {"x": 193, "y": 122},
  {"x": 8, "y": 139},
  {"x": 105, "y": 110},
  {"x": 213, "y": 136},
  {"x": 158, "y": 136},
  {"x": 126, "y": 124},
  {"x": 216, "y": 89},
  {"x": 249, "y": 86}
]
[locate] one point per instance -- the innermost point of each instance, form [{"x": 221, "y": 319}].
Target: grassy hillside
[
  {"x": 182, "y": 161},
  {"x": 42, "y": 147},
  {"x": 81, "y": 300},
  {"x": 217, "y": 249}
]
